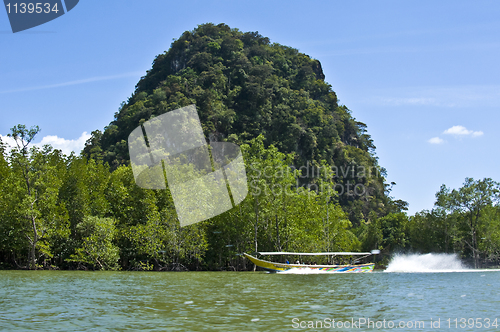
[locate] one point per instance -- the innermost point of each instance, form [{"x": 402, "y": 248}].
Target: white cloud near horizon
[
  {"x": 462, "y": 131},
  {"x": 456, "y": 131},
  {"x": 76, "y": 82},
  {"x": 65, "y": 145},
  {"x": 436, "y": 140}
]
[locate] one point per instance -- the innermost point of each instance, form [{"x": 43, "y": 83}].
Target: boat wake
[{"x": 426, "y": 263}]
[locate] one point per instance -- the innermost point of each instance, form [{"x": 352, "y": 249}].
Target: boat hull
[{"x": 281, "y": 267}]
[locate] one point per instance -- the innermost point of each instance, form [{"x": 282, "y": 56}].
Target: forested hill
[{"x": 243, "y": 86}]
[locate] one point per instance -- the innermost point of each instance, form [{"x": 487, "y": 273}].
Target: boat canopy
[{"x": 314, "y": 253}]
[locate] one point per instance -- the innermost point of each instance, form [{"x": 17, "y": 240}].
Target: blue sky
[{"x": 424, "y": 76}]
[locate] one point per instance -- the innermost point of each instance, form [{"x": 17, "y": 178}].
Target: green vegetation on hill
[{"x": 244, "y": 86}]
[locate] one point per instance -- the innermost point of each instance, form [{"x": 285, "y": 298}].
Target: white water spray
[{"x": 426, "y": 263}]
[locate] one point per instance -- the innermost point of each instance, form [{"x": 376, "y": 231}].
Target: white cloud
[
  {"x": 477, "y": 133},
  {"x": 11, "y": 143},
  {"x": 439, "y": 96},
  {"x": 436, "y": 140},
  {"x": 65, "y": 145},
  {"x": 462, "y": 131},
  {"x": 457, "y": 130},
  {"x": 76, "y": 82},
  {"x": 408, "y": 101}
]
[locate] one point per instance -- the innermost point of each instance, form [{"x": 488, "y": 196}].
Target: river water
[{"x": 249, "y": 301}]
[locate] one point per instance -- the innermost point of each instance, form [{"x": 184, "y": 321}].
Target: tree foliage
[
  {"x": 464, "y": 221},
  {"x": 84, "y": 215}
]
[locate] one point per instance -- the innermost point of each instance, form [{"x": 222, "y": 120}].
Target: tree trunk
[
  {"x": 278, "y": 234},
  {"x": 473, "y": 241},
  {"x": 475, "y": 249},
  {"x": 256, "y": 222},
  {"x": 33, "y": 244}
]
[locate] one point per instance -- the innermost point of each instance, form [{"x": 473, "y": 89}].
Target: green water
[{"x": 241, "y": 301}]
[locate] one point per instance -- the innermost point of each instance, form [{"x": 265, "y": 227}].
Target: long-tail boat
[{"x": 330, "y": 268}]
